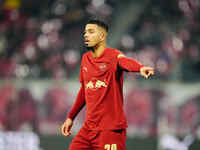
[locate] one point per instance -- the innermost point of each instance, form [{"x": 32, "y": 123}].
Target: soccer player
[{"x": 101, "y": 78}]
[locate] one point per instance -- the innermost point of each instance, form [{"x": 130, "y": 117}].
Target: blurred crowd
[
  {"x": 149, "y": 111},
  {"x": 18, "y": 109},
  {"x": 21, "y": 111},
  {"x": 44, "y": 39}
]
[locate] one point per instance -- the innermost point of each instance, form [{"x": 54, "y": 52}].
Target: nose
[{"x": 85, "y": 36}]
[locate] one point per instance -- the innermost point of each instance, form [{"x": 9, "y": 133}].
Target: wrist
[
  {"x": 141, "y": 67},
  {"x": 69, "y": 119}
]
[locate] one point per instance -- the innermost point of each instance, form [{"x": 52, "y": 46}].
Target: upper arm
[{"x": 128, "y": 64}]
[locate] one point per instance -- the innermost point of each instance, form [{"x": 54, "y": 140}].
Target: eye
[{"x": 91, "y": 31}]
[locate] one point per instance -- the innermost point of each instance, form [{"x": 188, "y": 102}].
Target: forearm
[
  {"x": 78, "y": 105},
  {"x": 129, "y": 64}
]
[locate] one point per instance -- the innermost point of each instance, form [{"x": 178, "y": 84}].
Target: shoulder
[
  {"x": 85, "y": 55},
  {"x": 84, "y": 58},
  {"x": 115, "y": 52}
]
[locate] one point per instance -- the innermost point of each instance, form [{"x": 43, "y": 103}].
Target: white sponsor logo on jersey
[{"x": 95, "y": 85}]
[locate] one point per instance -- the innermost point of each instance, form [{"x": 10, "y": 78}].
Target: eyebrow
[{"x": 89, "y": 30}]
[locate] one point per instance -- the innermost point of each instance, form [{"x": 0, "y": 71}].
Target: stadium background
[{"x": 41, "y": 45}]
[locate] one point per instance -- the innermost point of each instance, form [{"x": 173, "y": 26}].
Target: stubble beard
[{"x": 92, "y": 48}]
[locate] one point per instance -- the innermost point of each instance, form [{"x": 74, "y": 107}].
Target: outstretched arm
[
  {"x": 132, "y": 65},
  {"x": 78, "y": 105}
]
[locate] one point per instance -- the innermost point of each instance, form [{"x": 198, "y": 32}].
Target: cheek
[{"x": 96, "y": 38}]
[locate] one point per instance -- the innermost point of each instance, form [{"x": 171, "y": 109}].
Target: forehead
[{"x": 91, "y": 26}]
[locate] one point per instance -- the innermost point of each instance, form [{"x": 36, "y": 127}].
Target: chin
[{"x": 89, "y": 47}]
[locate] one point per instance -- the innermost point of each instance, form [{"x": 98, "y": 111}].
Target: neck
[{"x": 99, "y": 48}]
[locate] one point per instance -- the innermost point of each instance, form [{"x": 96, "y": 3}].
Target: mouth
[{"x": 86, "y": 41}]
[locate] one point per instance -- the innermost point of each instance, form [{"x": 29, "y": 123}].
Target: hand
[
  {"x": 146, "y": 71},
  {"x": 66, "y": 127}
]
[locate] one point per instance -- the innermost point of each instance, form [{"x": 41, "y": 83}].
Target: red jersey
[{"x": 102, "y": 89}]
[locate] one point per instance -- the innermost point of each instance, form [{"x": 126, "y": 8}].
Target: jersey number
[{"x": 110, "y": 146}]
